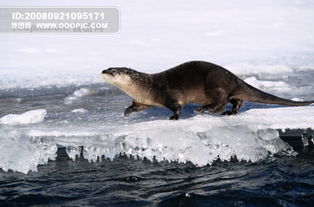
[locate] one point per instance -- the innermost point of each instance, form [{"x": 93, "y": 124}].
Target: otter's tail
[{"x": 258, "y": 96}]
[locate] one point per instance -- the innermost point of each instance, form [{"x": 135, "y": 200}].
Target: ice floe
[
  {"x": 80, "y": 110},
  {"x": 21, "y": 153},
  {"x": 78, "y": 94},
  {"x": 249, "y": 136},
  {"x": 29, "y": 117}
]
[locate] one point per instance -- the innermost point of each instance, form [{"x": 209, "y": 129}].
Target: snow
[
  {"x": 246, "y": 36},
  {"x": 297, "y": 99},
  {"x": 29, "y": 117},
  {"x": 280, "y": 118},
  {"x": 306, "y": 67},
  {"x": 278, "y": 86},
  {"x": 80, "y": 110},
  {"x": 249, "y": 69}
]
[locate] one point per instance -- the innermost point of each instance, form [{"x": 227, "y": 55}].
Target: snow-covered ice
[
  {"x": 29, "y": 117},
  {"x": 280, "y": 86},
  {"x": 250, "y": 69},
  {"x": 250, "y": 136},
  {"x": 247, "y": 36}
]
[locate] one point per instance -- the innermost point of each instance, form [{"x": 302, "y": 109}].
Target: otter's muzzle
[{"x": 108, "y": 72}]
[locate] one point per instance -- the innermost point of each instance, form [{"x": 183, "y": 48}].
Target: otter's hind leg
[
  {"x": 219, "y": 100},
  {"x": 135, "y": 106},
  {"x": 175, "y": 108},
  {"x": 237, "y": 103}
]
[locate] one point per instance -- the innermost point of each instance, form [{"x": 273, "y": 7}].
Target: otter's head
[
  {"x": 130, "y": 81},
  {"x": 121, "y": 77},
  {"x": 117, "y": 76}
]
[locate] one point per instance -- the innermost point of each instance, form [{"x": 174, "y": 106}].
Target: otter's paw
[
  {"x": 228, "y": 113},
  {"x": 129, "y": 111},
  {"x": 199, "y": 110},
  {"x": 174, "y": 117}
]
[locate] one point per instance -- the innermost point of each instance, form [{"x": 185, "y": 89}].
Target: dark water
[{"x": 286, "y": 181}]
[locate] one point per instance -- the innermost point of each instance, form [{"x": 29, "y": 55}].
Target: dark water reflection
[{"x": 287, "y": 181}]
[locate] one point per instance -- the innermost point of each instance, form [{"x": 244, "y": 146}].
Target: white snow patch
[
  {"x": 214, "y": 33},
  {"x": 31, "y": 50},
  {"x": 301, "y": 117},
  {"x": 61, "y": 133},
  {"x": 29, "y": 117},
  {"x": 297, "y": 99},
  {"x": 137, "y": 43},
  {"x": 80, "y": 110},
  {"x": 250, "y": 69},
  {"x": 51, "y": 50},
  {"x": 237, "y": 34},
  {"x": 279, "y": 86},
  {"x": 83, "y": 92},
  {"x": 305, "y": 68}
]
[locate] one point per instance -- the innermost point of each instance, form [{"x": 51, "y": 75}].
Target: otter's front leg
[{"x": 135, "y": 107}]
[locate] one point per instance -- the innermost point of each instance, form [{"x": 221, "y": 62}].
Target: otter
[{"x": 209, "y": 85}]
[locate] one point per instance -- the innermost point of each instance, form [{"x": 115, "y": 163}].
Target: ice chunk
[
  {"x": 200, "y": 140},
  {"x": 182, "y": 144},
  {"x": 249, "y": 136},
  {"x": 267, "y": 134},
  {"x": 78, "y": 94},
  {"x": 83, "y": 92},
  {"x": 73, "y": 152},
  {"x": 80, "y": 110},
  {"x": 29, "y": 117},
  {"x": 21, "y": 153}
]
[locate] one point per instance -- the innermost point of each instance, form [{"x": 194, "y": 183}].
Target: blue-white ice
[{"x": 270, "y": 44}]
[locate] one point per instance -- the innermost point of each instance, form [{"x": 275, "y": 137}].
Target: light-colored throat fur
[{"x": 138, "y": 88}]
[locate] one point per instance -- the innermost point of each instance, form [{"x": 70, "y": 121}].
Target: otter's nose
[
  {"x": 110, "y": 72},
  {"x": 104, "y": 71}
]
